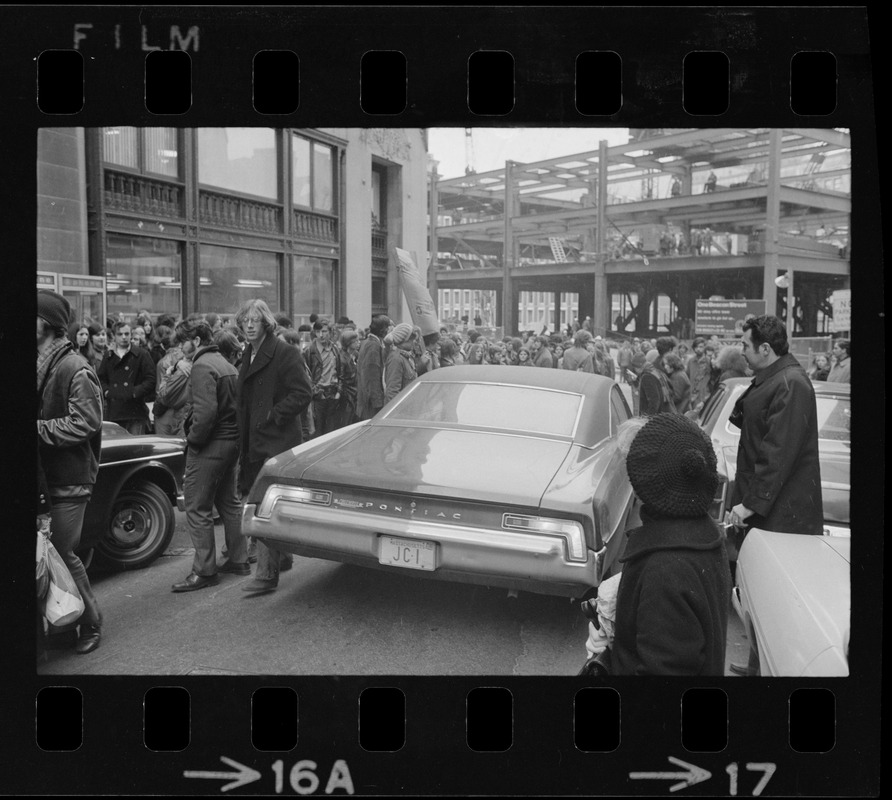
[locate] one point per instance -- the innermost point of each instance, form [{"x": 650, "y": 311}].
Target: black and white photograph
[
  {"x": 432, "y": 359},
  {"x": 444, "y": 401}
]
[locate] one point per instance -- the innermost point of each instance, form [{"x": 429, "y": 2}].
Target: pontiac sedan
[{"x": 493, "y": 475}]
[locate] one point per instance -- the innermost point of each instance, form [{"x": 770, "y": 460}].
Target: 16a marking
[
  {"x": 303, "y": 778},
  {"x": 767, "y": 767}
]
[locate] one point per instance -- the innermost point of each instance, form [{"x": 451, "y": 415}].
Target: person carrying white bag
[{"x": 69, "y": 430}]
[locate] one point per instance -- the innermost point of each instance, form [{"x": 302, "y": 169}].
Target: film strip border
[
  {"x": 551, "y": 51},
  {"x": 384, "y": 87},
  {"x": 319, "y": 737},
  {"x": 433, "y": 66}
]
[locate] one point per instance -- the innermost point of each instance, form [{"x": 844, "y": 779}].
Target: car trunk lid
[{"x": 492, "y": 467}]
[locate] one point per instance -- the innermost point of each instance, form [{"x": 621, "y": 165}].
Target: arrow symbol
[
  {"x": 689, "y": 778},
  {"x": 244, "y": 775}
]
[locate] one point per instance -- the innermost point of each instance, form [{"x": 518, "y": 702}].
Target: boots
[{"x": 89, "y": 639}]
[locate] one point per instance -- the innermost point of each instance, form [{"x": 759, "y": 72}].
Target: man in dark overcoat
[
  {"x": 370, "y": 369},
  {"x": 128, "y": 378},
  {"x": 274, "y": 391},
  {"x": 778, "y": 483}
]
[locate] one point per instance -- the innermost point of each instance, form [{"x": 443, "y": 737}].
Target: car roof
[
  {"x": 821, "y": 387},
  {"x": 593, "y": 427},
  {"x": 541, "y": 377}
]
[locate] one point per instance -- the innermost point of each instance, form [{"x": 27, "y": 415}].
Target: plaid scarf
[{"x": 46, "y": 359}]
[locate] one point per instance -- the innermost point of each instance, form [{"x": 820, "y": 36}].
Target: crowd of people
[{"x": 244, "y": 389}]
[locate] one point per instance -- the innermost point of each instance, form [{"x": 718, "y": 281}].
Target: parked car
[
  {"x": 492, "y": 475},
  {"x": 130, "y": 520},
  {"x": 834, "y": 445},
  {"x": 793, "y": 595}
]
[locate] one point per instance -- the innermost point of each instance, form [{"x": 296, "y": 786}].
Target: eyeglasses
[{"x": 254, "y": 320}]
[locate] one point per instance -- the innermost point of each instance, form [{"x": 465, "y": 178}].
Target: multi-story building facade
[
  {"x": 182, "y": 220},
  {"x": 634, "y": 235}
]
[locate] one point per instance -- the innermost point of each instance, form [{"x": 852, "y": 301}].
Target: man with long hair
[{"x": 273, "y": 392}]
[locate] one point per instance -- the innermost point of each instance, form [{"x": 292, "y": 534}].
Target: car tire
[{"x": 140, "y": 527}]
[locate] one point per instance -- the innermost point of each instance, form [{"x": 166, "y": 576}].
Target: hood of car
[
  {"x": 797, "y": 590},
  {"x": 473, "y": 465},
  {"x": 118, "y": 445}
]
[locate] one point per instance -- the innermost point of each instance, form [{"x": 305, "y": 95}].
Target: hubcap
[{"x": 131, "y": 526}]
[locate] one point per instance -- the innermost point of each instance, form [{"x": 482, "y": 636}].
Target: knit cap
[
  {"x": 401, "y": 333},
  {"x": 652, "y": 356},
  {"x": 672, "y": 466},
  {"x": 54, "y": 308}
]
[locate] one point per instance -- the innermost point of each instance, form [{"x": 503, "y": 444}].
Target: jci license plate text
[{"x": 407, "y": 553}]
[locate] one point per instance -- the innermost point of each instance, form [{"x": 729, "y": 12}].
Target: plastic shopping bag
[
  {"x": 63, "y": 603},
  {"x": 43, "y": 575}
]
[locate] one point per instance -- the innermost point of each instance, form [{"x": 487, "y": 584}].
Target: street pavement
[{"x": 328, "y": 619}]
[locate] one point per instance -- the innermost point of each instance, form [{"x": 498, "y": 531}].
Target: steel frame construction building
[{"x": 683, "y": 214}]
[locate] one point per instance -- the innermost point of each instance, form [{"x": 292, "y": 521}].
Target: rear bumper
[{"x": 489, "y": 557}]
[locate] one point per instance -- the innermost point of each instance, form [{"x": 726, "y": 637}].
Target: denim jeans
[
  {"x": 210, "y": 482},
  {"x": 325, "y": 415},
  {"x": 65, "y": 526}
]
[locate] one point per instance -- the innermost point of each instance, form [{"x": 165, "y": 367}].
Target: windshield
[
  {"x": 834, "y": 417},
  {"x": 487, "y": 405}
]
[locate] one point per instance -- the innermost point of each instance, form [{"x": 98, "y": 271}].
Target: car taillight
[
  {"x": 570, "y": 531},
  {"x": 290, "y": 494}
]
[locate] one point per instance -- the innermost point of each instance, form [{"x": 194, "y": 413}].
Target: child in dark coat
[{"x": 673, "y": 598}]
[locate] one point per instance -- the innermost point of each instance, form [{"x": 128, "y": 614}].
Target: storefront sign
[
  {"x": 725, "y": 318},
  {"x": 842, "y": 310},
  {"x": 47, "y": 280},
  {"x": 421, "y": 305}
]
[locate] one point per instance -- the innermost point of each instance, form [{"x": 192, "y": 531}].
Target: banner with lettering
[{"x": 421, "y": 305}]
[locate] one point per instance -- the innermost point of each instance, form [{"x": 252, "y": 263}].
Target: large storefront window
[
  {"x": 229, "y": 277},
  {"x": 151, "y": 150},
  {"x": 142, "y": 274},
  {"x": 314, "y": 287},
  {"x": 241, "y": 160},
  {"x": 312, "y": 169}
]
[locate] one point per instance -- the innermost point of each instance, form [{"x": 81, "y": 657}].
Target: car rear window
[
  {"x": 834, "y": 419},
  {"x": 490, "y": 405}
]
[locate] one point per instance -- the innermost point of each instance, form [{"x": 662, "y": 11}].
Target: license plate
[{"x": 409, "y": 553}]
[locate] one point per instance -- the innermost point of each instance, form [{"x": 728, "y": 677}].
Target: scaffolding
[{"x": 626, "y": 233}]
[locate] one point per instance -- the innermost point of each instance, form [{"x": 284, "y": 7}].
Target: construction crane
[{"x": 469, "y": 152}]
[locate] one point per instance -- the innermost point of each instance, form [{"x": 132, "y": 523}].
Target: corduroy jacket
[{"x": 213, "y": 386}]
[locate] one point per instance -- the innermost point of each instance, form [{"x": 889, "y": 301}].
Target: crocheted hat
[
  {"x": 54, "y": 308},
  {"x": 401, "y": 333},
  {"x": 672, "y": 466}
]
